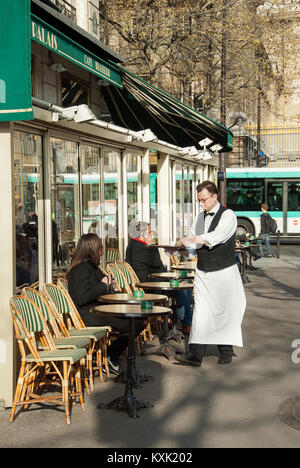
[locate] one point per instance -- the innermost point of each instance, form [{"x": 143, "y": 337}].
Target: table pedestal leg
[
  {"x": 164, "y": 349},
  {"x": 175, "y": 334},
  {"x": 128, "y": 401},
  {"x": 138, "y": 377},
  {"x": 244, "y": 275}
]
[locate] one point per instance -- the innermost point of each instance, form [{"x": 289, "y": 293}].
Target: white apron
[{"x": 220, "y": 304}]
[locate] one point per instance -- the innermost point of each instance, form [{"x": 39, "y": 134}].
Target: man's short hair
[
  {"x": 209, "y": 186},
  {"x": 264, "y": 206}
]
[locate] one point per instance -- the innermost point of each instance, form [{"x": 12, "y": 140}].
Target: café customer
[{"x": 86, "y": 282}]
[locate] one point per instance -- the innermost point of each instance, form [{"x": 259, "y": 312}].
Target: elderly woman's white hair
[{"x": 137, "y": 228}]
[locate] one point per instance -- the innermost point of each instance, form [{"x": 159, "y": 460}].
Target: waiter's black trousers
[{"x": 199, "y": 350}]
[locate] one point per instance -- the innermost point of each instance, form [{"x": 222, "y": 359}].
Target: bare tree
[{"x": 178, "y": 45}]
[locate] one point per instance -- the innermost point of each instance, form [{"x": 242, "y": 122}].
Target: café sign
[{"x": 57, "y": 42}]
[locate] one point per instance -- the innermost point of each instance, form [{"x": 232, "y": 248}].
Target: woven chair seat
[
  {"x": 72, "y": 355},
  {"x": 95, "y": 333},
  {"x": 70, "y": 342}
]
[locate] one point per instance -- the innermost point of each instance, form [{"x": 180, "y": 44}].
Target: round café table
[
  {"x": 242, "y": 251},
  {"x": 189, "y": 266},
  {"x": 170, "y": 291},
  {"x": 124, "y": 298},
  {"x": 169, "y": 275},
  {"x": 128, "y": 401}
]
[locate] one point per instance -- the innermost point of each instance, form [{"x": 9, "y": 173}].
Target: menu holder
[
  {"x": 174, "y": 283},
  {"x": 146, "y": 305},
  {"x": 183, "y": 274},
  {"x": 138, "y": 294}
]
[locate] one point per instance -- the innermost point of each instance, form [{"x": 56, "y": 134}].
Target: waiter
[{"x": 219, "y": 295}]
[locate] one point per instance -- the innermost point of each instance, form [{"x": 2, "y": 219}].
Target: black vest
[{"x": 219, "y": 257}]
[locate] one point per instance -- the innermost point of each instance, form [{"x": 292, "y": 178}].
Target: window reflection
[
  {"x": 111, "y": 232},
  {"x": 132, "y": 187},
  {"x": 27, "y": 181},
  {"x": 90, "y": 178},
  {"x": 64, "y": 201},
  {"x": 294, "y": 196},
  {"x": 179, "y": 202}
]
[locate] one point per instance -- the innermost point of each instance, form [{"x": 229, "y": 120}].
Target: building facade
[{"x": 71, "y": 169}]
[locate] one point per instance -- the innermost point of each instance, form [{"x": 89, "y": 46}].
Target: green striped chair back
[
  {"x": 62, "y": 283},
  {"x": 56, "y": 295},
  {"x": 125, "y": 272},
  {"x": 39, "y": 300},
  {"x": 134, "y": 276},
  {"x": 112, "y": 255},
  {"x": 118, "y": 276},
  {"x": 28, "y": 313}
]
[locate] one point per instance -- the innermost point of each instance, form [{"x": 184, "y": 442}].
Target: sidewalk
[{"x": 213, "y": 406}]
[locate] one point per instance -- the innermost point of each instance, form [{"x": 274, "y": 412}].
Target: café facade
[{"x": 86, "y": 146}]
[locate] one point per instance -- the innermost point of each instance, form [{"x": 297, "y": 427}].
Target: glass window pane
[
  {"x": 132, "y": 187},
  {"x": 187, "y": 205},
  {"x": 294, "y": 196},
  {"x": 179, "y": 202},
  {"x": 153, "y": 195},
  {"x": 64, "y": 201},
  {"x": 274, "y": 196},
  {"x": 28, "y": 188},
  {"x": 245, "y": 195},
  {"x": 111, "y": 226},
  {"x": 90, "y": 179}
]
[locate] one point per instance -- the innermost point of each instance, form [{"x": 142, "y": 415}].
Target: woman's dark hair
[
  {"x": 209, "y": 186},
  {"x": 89, "y": 247}
]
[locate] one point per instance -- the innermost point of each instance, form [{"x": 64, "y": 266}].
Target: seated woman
[
  {"x": 86, "y": 282},
  {"x": 146, "y": 261},
  {"x": 143, "y": 260}
]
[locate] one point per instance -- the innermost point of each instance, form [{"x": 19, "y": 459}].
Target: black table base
[
  {"x": 127, "y": 403},
  {"x": 138, "y": 377}
]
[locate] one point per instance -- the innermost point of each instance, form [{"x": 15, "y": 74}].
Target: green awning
[
  {"x": 140, "y": 105},
  {"x": 15, "y": 63},
  {"x": 62, "y": 45}
]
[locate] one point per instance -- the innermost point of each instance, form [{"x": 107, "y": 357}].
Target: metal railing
[{"x": 279, "y": 143}]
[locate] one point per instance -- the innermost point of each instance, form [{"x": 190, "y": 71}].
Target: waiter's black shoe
[
  {"x": 225, "y": 359},
  {"x": 188, "y": 359}
]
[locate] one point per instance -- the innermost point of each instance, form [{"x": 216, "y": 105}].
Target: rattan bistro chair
[
  {"x": 38, "y": 368},
  {"x": 119, "y": 277},
  {"x": 112, "y": 255},
  {"x": 132, "y": 280},
  {"x": 129, "y": 278},
  {"x": 71, "y": 322},
  {"x": 126, "y": 283},
  {"x": 62, "y": 283},
  {"x": 61, "y": 342}
]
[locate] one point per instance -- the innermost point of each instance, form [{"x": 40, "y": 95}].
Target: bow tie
[{"x": 206, "y": 213}]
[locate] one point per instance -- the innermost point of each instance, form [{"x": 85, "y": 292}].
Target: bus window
[
  {"x": 245, "y": 194},
  {"x": 274, "y": 196},
  {"x": 294, "y": 196}
]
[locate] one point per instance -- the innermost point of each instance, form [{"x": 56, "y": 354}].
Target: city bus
[{"x": 248, "y": 188}]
